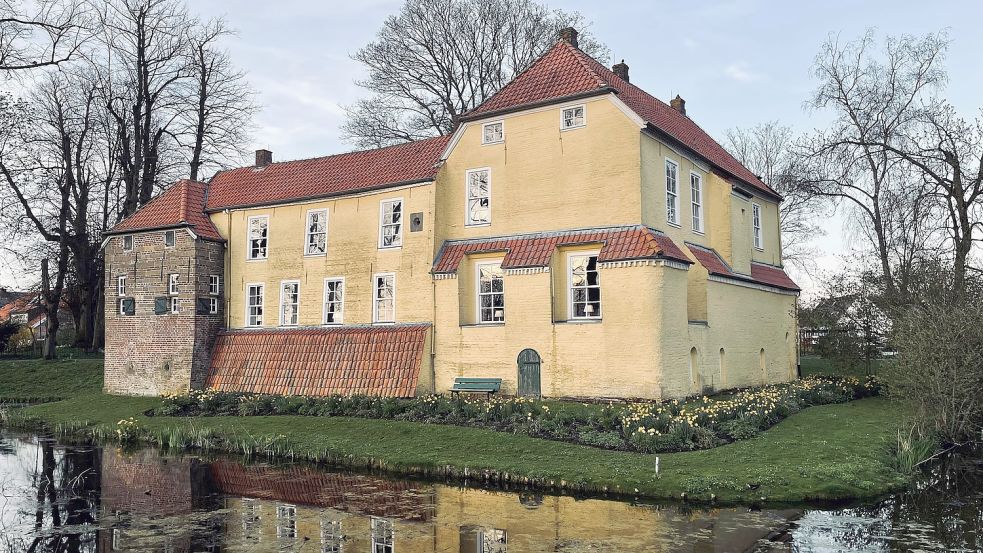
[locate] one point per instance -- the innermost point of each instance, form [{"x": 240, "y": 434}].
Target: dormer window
[
  {"x": 573, "y": 117},
  {"x": 169, "y": 238},
  {"x": 493, "y": 133}
]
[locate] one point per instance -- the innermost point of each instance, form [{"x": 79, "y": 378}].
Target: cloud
[{"x": 739, "y": 71}]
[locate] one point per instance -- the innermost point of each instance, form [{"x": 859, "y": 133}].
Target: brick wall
[{"x": 151, "y": 354}]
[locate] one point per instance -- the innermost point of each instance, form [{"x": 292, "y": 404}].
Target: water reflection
[{"x": 84, "y": 499}]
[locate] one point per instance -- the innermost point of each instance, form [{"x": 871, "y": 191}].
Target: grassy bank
[
  {"x": 827, "y": 452},
  {"x": 34, "y": 380}
]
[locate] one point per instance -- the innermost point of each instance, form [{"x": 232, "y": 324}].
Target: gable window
[
  {"x": 121, "y": 285},
  {"x": 672, "y": 192},
  {"x": 478, "y": 197},
  {"x": 384, "y": 298},
  {"x": 169, "y": 238},
  {"x": 585, "y": 289},
  {"x": 493, "y": 133},
  {"x": 573, "y": 117},
  {"x": 254, "y": 305},
  {"x": 286, "y": 521},
  {"x": 334, "y": 301},
  {"x": 289, "y": 302},
  {"x": 128, "y": 243},
  {"x": 696, "y": 198},
  {"x": 258, "y": 235},
  {"x": 382, "y": 535},
  {"x": 317, "y": 232},
  {"x": 491, "y": 293},
  {"x": 391, "y": 223},
  {"x": 172, "y": 284},
  {"x": 214, "y": 286},
  {"x": 175, "y": 305},
  {"x": 756, "y": 226}
]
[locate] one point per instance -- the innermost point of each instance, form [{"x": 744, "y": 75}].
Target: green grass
[
  {"x": 814, "y": 366},
  {"x": 828, "y": 452},
  {"x": 31, "y": 380}
]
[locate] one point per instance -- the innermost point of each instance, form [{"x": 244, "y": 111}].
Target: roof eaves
[{"x": 341, "y": 193}]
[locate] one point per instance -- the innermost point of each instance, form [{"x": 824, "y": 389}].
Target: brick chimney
[
  {"x": 263, "y": 158},
  {"x": 678, "y": 104},
  {"x": 621, "y": 70},
  {"x": 569, "y": 35}
]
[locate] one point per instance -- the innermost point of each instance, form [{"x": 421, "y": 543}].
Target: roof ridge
[{"x": 339, "y": 154}]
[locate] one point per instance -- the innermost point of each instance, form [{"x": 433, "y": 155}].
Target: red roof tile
[
  {"x": 760, "y": 273},
  {"x": 772, "y": 276},
  {"x": 536, "y": 250},
  {"x": 347, "y": 360},
  {"x": 183, "y": 204},
  {"x": 25, "y": 302},
  {"x": 567, "y": 71},
  {"x": 327, "y": 176}
]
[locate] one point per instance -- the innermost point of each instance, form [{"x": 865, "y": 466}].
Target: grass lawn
[
  {"x": 813, "y": 366},
  {"x": 828, "y": 452},
  {"x": 31, "y": 380}
]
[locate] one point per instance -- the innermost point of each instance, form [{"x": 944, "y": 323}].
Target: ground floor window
[{"x": 585, "y": 288}]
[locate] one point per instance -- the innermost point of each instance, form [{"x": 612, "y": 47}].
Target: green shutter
[
  {"x": 129, "y": 306},
  {"x": 160, "y": 306}
]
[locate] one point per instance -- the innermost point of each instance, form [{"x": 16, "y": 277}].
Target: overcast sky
[{"x": 736, "y": 62}]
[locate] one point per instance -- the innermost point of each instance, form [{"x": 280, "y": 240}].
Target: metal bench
[{"x": 477, "y": 385}]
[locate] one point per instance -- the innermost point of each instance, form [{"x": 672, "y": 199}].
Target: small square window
[
  {"x": 169, "y": 238},
  {"x": 573, "y": 117},
  {"x": 493, "y": 133},
  {"x": 214, "y": 287},
  {"x": 175, "y": 305},
  {"x": 127, "y": 243}
]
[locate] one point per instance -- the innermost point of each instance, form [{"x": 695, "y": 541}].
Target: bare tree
[
  {"x": 438, "y": 59},
  {"x": 45, "y": 34}
]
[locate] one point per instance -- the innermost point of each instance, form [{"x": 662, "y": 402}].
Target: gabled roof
[
  {"x": 23, "y": 303},
  {"x": 536, "y": 250},
  {"x": 565, "y": 72},
  {"x": 181, "y": 205},
  {"x": 321, "y": 177},
  {"x": 761, "y": 273}
]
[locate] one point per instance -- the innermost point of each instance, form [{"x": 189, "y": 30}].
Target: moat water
[{"x": 69, "y": 498}]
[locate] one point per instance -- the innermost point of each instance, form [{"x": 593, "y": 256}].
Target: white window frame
[
  {"x": 331, "y": 535},
  {"x": 212, "y": 306},
  {"x": 479, "y": 294},
  {"x": 308, "y": 234},
  {"x": 214, "y": 285},
  {"x": 172, "y": 284},
  {"x": 563, "y": 118},
  {"x": 121, "y": 285},
  {"x": 283, "y": 321},
  {"x": 286, "y": 512},
  {"x": 375, "y": 298},
  {"x": 382, "y": 223},
  {"x": 571, "y": 312},
  {"x": 696, "y": 201},
  {"x": 262, "y": 304},
  {"x": 249, "y": 238},
  {"x": 128, "y": 243},
  {"x": 175, "y": 306},
  {"x": 756, "y": 235},
  {"x": 484, "y": 136},
  {"x": 173, "y": 235},
  {"x": 120, "y": 305},
  {"x": 468, "y": 222},
  {"x": 672, "y": 197},
  {"x": 340, "y": 311},
  {"x": 383, "y": 533}
]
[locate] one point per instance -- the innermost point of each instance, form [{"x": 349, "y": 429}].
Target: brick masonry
[{"x": 151, "y": 354}]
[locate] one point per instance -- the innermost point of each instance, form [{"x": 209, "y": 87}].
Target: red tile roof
[
  {"x": 536, "y": 250},
  {"x": 767, "y": 275},
  {"x": 327, "y": 176},
  {"x": 346, "y": 360},
  {"x": 22, "y": 303},
  {"x": 566, "y": 71},
  {"x": 772, "y": 276},
  {"x": 183, "y": 204}
]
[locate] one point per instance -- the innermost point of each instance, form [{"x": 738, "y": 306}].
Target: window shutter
[
  {"x": 202, "y": 306},
  {"x": 129, "y": 306},
  {"x": 160, "y": 306}
]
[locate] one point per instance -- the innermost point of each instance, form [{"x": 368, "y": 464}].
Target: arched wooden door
[{"x": 529, "y": 363}]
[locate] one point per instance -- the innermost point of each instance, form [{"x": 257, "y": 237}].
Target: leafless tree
[
  {"x": 41, "y": 34},
  {"x": 437, "y": 59}
]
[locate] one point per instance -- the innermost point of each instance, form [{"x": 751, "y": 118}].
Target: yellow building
[{"x": 574, "y": 237}]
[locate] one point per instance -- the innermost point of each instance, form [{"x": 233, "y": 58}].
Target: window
[
  {"x": 175, "y": 305},
  {"x": 289, "y": 302},
  {"x": 384, "y": 298},
  {"x": 672, "y": 192},
  {"x": 212, "y": 306},
  {"x": 121, "y": 285},
  {"x": 172, "y": 284},
  {"x": 391, "y": 223},
  {"x": 478, "y": 197},
  {"x": 258, "y": 235},
  {"x": 250, "y": 519},
  {"x": 334, "y": 301},
  {"x": 286, "y": 521},
  {"x": 127, "y": 243},
  {"x": 254, "y": 305},
  {"x": 126, "y": 307},
  {"x": 493, "y": 133},
  {"x": 169, "y": 238},
  {"x": 317, "y": 232},
  {"x": 585, "y": 290},
  {"x": 756, "y": 225},
  {"x": 382, "y": 535},
  {"x": 696, "y": 197},
  {"x": 573, "y": 117},
  {"x": 331, "y": 536},
  {"x": 214, "y": 286},
  {"x": 491, "y": 293}
]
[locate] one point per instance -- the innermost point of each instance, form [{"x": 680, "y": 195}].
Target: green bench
[{"x": 477, "y": 385}]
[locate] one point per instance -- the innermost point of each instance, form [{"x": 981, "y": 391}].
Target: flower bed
[{"x": 698, "y": 423}]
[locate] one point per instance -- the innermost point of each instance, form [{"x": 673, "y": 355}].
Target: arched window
[
  {"x": 723, "y": 368},
  {"x": 694, "y": 369}
]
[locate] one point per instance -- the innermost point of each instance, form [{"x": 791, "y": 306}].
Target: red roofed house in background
[{"x": 575, "y": 236}]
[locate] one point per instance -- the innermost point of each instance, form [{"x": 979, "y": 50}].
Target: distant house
[{"x": 27, "y": 309}]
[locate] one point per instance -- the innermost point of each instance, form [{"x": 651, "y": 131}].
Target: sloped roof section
[
  {"x": 767, "y": 275},
  {"x": 24, "y": 302},
  {"x": 536, "y": 250},
  {"x": 566, "y": 72},
  {"x": 183, "y": 204},
  {"x": 327, "y": 176},
  {"x": 348, "y": 360}
]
